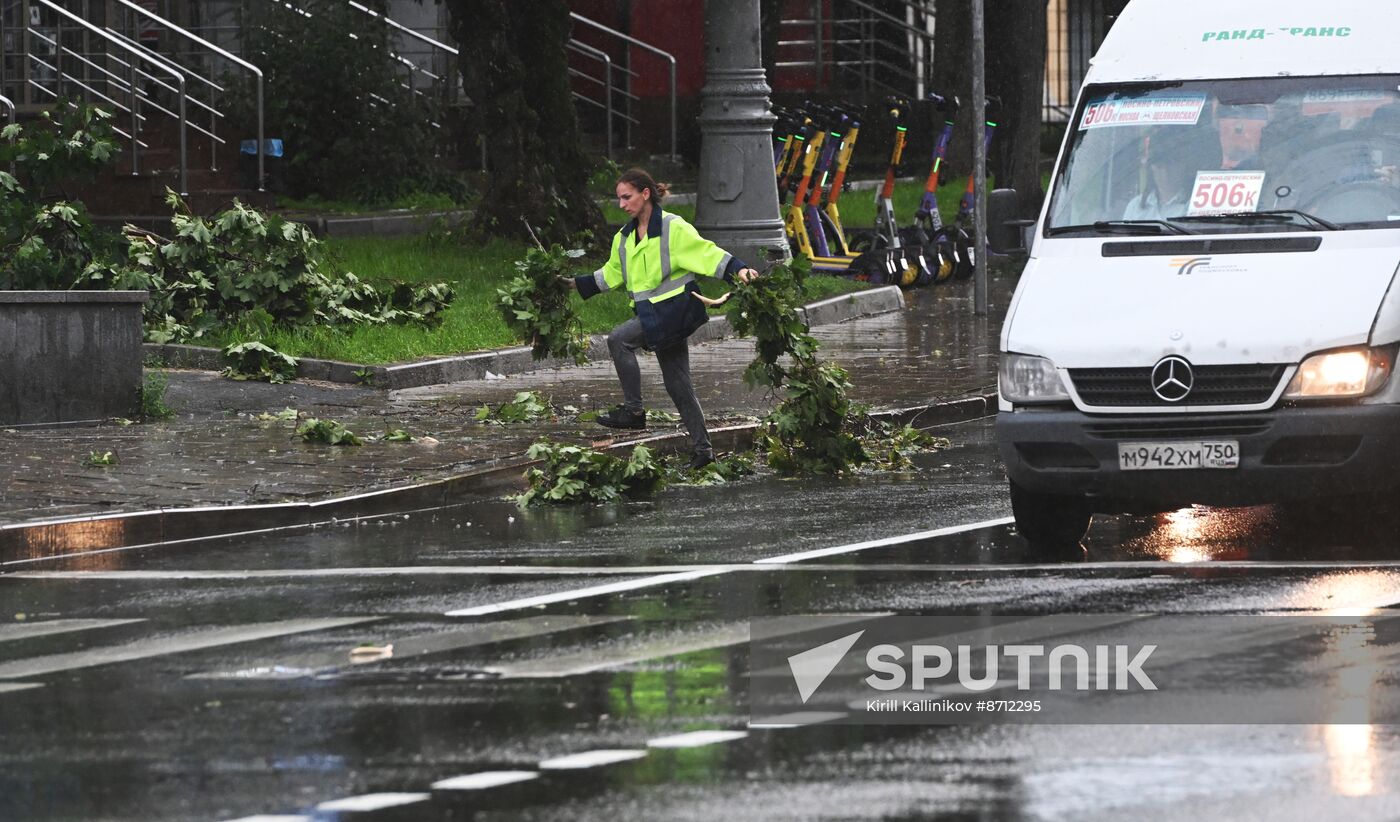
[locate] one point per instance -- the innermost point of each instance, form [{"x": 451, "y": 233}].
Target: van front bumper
[{"x": 1285, "y": 454}]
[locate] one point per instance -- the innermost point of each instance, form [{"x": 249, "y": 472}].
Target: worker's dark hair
[{"x": 640, "y": 180}]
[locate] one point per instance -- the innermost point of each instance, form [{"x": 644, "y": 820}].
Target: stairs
[{"x": 117, "y": 192}]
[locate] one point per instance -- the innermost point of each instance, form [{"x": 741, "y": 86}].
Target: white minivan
[{"x": 1210, "y": 311}]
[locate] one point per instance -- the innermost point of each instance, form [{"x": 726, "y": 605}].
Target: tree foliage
[
  {"x": 514, "y": 67},
  {"x": 336, "y": 97},
  {"x": 1016, "y": 42}
]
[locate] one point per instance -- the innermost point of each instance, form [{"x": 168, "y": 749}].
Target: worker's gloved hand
[{"x": 569, "y": 281}]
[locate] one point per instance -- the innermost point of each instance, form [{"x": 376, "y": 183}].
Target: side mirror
[{"x": 1005, "y": 231}]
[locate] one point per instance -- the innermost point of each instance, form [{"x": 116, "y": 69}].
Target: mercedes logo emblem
[{"x": 1172, "y": 379}]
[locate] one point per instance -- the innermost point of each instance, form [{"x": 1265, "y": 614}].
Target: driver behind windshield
[{"x": 1174, "y": 155}]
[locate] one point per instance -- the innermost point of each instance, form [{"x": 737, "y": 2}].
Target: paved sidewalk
[{"x": 216, "y": 451}]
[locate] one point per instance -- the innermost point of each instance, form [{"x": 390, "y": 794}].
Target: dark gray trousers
[{"x": 623, "y": 343}]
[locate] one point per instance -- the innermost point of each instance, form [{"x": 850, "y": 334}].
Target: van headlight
[
  {"x": 1024, "y": 379},
  {"x": 1345, "y": 372}
]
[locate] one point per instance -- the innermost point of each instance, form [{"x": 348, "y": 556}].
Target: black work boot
[
  {"x": 619, "y": 417},
  {"x": 700, "y": 460}
]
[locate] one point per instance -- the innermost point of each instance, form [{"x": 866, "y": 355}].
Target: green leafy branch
[
  {"x": 255, "y": 361},
  {"x": 329, "y": 432},
  {"x": 536, "y": 304},
  {"x": 528, "y": 406},
  {"x": 816, "y": 428}
]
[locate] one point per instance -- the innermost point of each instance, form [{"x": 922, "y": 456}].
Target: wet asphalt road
[{"x": 217, "y": 681}]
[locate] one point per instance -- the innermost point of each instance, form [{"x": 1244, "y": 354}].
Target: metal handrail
[
  {"x": 870, "y": 48},
  {"x": 861, "y": 4},
  {"x": 414, "y": 33},
  {"x": 232, "y": 58},
  {"x": 9, "y": 106},
  {"x": 599, "y": 54},
  {"x": 146, "y": 55},
  {"x": 648, "y": 47},
  {"x": 167, "y": 64}
]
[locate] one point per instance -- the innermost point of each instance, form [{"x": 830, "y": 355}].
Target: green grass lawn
[{"x": 472, "y": 323}]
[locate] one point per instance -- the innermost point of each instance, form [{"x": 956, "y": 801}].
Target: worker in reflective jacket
[{"x": 655, "y": 259}]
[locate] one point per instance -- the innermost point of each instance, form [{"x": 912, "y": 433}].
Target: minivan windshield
[{"x": 1213, "y": 156}]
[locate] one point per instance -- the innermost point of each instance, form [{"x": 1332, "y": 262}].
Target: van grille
[
  {"x": 1215, "y": 385},
  {"x": 1179, "y": 427}
]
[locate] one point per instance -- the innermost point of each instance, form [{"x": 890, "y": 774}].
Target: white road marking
[
  {"x": 485, "y": 780},
  {"x": 48, "y": 627},
  {"x": 763, "y": 565},
  {"x": 484, "y": 633},
  {"x": 7, "y": 687},
  {"x": 800, "y": 719},
  {"x": 696, "y": 739},
  {"x": 882, "y": 543},
  {"x": 685, "y": 641},
  {"x": 372, "y": 802},
  {"x": 190, "y": 641},
  {"x": 769, "y": 565},
  {"x": 582, "y": 593},
  {"x": 591, "y": 660},
  {"x": 272, "y": 818},
  {"x": 591, "y": 759},
  {"x": 392, "y": 571}
]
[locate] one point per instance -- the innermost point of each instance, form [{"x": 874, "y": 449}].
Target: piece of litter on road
[
  {"x": 491, "y": 376},
  {"x": 369, "y": 653}
]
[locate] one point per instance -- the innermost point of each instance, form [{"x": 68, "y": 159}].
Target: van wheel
[{"x": 1049, "y": 520}]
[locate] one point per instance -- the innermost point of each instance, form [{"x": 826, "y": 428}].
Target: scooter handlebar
[{"x": 948, "y": 105}]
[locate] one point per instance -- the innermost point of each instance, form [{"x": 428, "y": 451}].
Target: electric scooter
[
  {"x": 886, "y": 227},
  {"x": 795, "y": 219},
  {"x": 967, "y": 263},
  {"x": 928, "y": 232},
  {"x": 824, "y": 221}
]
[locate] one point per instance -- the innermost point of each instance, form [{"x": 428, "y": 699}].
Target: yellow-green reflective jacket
[{"x": 658, "y": 275}]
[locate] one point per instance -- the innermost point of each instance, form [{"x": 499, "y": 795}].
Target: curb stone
[
  {"x": 514, "y": 360},
  {"x": 24, "y": 543}
]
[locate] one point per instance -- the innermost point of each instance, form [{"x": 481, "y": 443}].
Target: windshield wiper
[
  {"x": 1122, "y": 227},
  {"x": 1273, "y": 216}
]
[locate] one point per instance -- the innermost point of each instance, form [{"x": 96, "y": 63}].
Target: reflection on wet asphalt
[{"x": 268, "y": 675}]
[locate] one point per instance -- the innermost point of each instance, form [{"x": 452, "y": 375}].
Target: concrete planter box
[{"x": 69, "y": 356}]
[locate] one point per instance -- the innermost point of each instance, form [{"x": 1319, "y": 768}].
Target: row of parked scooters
[{"x": 813, "y": 152}]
